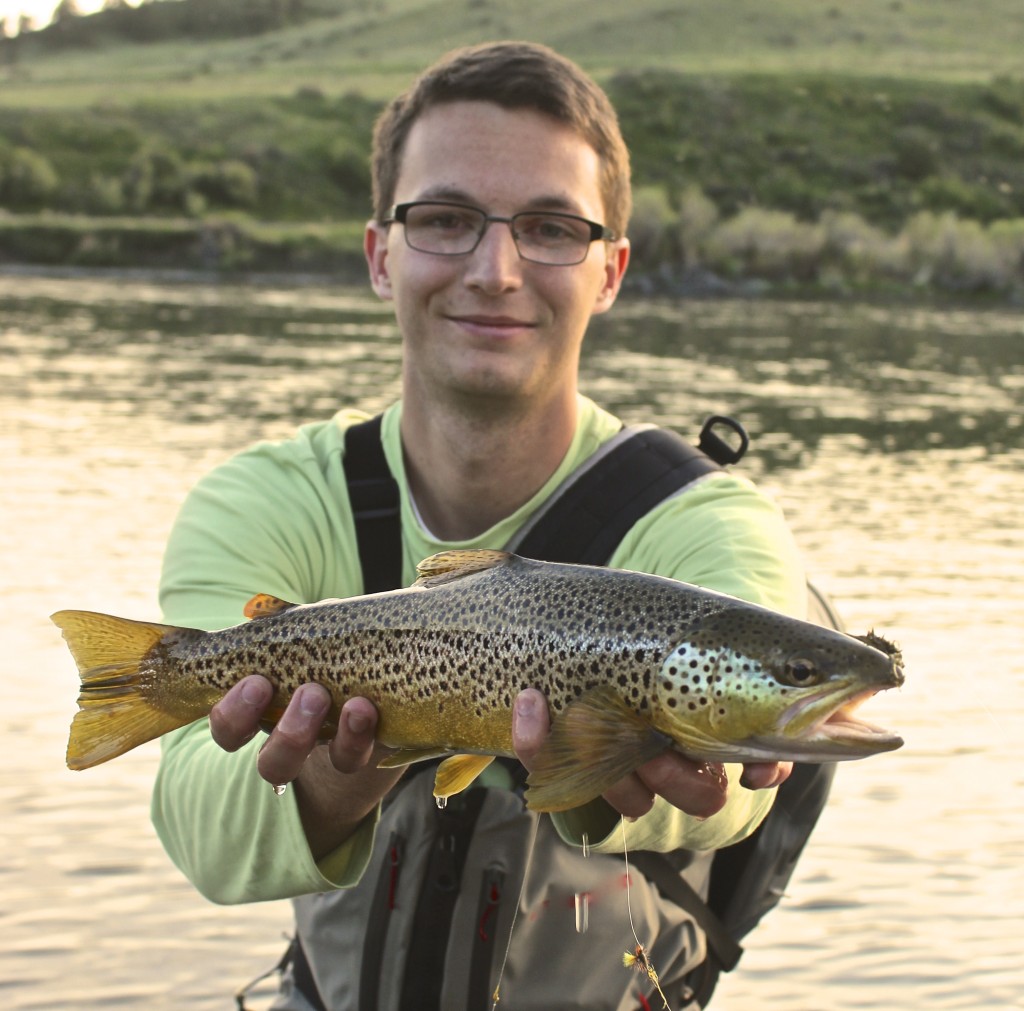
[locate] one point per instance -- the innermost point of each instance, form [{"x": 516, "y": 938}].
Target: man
[{"x": 501, "y": 203}]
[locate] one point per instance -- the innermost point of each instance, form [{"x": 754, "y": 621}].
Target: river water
[{"x": 893, "y": 436}]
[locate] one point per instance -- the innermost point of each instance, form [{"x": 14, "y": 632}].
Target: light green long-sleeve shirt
[{"x": 276, "y": 519}]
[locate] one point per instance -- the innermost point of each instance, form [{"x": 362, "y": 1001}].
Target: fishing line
[
  {"x": 629, "y": 903},
  {"x": 637, "y": 959},
  {"x": 495, "y": 997}
]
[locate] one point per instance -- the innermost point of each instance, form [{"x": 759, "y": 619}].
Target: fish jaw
[{"x": 826, "y": 729}]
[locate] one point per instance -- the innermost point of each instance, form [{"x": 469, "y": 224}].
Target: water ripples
[{"x": 891, "y": 435}]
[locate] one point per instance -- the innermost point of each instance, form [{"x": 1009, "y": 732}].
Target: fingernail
[
  {"x": 526, "y": 706},
  {"x": 357, "y": 723},
  {"x": 254, "y": 693},
  {"x": 311, "y": 702}
]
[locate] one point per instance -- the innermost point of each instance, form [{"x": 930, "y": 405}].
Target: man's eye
[
  {"x": 548, "y": 230},
  {"x": 445, "y": 221},
  {"x": 554, "y": 229}
]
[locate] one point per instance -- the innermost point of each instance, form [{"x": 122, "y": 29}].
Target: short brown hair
[{"x": 514, "y": 75}]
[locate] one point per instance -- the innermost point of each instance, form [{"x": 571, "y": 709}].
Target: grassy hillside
[
  {"x": 792, "y": 140},
  {"x": 374, "y": 46}
]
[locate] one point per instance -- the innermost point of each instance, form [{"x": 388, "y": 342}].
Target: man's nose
[{"x": 495, "y": 264}]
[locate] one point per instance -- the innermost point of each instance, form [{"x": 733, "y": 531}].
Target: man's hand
[
  {"x": 698, "y": 788},
  {"x": 336, "y": 785}
]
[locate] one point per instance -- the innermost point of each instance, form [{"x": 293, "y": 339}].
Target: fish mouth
[
  {"x": 843, "y": 727},
  {"x": 833, "y": 730}
]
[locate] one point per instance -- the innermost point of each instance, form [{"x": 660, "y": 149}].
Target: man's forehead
[{"x": 474, "y": 151}]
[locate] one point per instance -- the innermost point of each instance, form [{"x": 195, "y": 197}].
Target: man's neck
[{"x": 469, "y": 470}]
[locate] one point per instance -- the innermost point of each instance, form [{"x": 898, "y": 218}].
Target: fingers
[
  {"x": 763, "y": 775},
  {"x": 351, "y": 747},
  {"x": 236, "y": 718},
  {"x": 285, "y": 752},
  {"x": 631, "y": 797},
  {"x": 698, "y": 788},
  {"x": 530, "y": 725}
]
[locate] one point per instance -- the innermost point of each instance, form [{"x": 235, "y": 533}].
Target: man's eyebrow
[
  {"x": 451, "y": 193},
  {"x": 548, "y": 202}
]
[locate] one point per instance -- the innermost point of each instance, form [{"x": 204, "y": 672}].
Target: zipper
[
  {"x": 385, "y": 901},
  {"x": 432, "y": 920},
  {"x": 484, "y": 944}
]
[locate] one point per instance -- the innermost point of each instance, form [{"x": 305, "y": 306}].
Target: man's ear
[
  {"x": 614, "y": 271},
  {"x": 375, "y": 248}
]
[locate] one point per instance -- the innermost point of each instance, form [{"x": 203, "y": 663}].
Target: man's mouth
[{"x": 492, "y": 324}]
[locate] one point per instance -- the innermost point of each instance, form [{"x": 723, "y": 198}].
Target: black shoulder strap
[
  {"x": 373, "y": 493},
  {"x": 588, "y": 516},
  {"x": 584, "y": 520}
]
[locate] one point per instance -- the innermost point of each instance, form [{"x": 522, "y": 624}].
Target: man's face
[{"x": 488, "y": 324}]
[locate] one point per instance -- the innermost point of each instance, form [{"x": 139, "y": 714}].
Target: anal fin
[{"x": 455, "y": 774}]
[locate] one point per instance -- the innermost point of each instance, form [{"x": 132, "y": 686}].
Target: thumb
[{"x": 530, "y": 724}]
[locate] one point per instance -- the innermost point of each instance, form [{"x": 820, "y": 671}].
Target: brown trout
[{"x": 631, "y": 664}]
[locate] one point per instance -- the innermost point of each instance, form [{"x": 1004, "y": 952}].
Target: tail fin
[{"x": 114, "y": 715}]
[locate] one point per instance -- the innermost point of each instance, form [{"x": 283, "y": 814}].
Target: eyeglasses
[{"x": 448, "y": 229}]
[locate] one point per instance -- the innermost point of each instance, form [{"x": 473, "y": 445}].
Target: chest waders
[{"x": 583, "y": 521}]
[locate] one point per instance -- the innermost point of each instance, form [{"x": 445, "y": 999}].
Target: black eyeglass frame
[{"x": 399, "y": 213}]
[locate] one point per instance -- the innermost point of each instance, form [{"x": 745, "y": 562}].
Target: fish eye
[{"x": 800, "y": 673}]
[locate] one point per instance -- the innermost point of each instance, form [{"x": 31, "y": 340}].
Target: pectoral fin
[
  {"x": 455, "y": 774},
  {"x": 596, "y": 742}
]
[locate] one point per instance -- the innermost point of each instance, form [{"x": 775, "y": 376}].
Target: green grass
[
  {"x": 377, "y": 47},
  {"x": 886, "y": 110}
]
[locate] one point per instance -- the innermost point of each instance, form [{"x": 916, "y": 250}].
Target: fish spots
[{"x": 466, "y": 646}]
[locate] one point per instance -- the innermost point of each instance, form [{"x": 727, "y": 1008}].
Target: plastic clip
[{"x": 721, "y": 451}]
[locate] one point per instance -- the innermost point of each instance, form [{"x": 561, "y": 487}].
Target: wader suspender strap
[
  {"x": 587, "y": 517},
  {"x": 584, "y": 521},
  {"x": 376, "y": 510}
]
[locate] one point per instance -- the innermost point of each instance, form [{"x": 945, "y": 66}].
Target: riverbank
[{"x": 755, "y": 252}]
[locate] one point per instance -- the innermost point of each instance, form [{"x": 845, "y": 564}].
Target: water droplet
[
  {"x": 586, "y": 845},
  {"x": 280, "y": 789},
  {"x": 442, "y": 803},
  {"x": 582, "y": 912}
]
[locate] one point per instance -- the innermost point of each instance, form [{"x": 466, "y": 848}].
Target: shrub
[
  {"x": 104, "y": 195},
  {"x": 349, "y": 168},
  {"x": 917, "y": 153},
  {"x": 650, "y": 226},
  {"x": 156, "y": 179},
  {"x": 858, "y": 251},
  {"x": 766, "y": 244},
  {"x": 956, "y": 254},
  {"x": 27, "y": 179},
  {"x": 697, "y": 216},
  {"x": 968, "y": 200},
  {"x": 229, "y": 183}
]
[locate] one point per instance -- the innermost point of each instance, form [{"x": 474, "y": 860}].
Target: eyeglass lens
[{"x": 453, "y": 230}]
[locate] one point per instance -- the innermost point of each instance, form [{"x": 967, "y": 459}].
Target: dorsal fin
[
  {"x": 263, "y": 605},
  {"x": 447, "y": 565}
]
